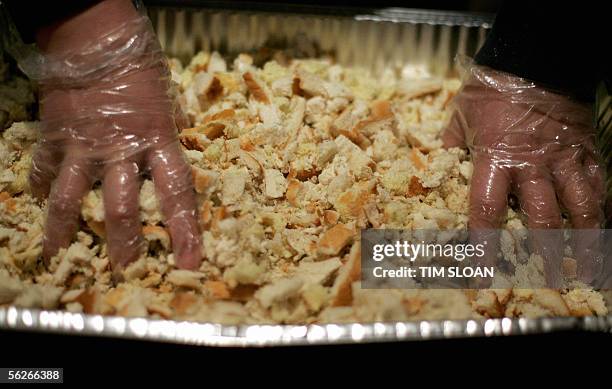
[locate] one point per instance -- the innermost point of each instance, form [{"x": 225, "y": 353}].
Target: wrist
[
  {"x": 103, "y": 44},
  {"x": 78, "y": 32}
]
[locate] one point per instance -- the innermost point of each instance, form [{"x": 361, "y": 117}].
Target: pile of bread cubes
[{"x": 289, "y": 161}]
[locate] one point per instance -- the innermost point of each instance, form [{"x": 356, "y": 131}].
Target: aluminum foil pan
[
  {"x": 210, "y": 334},
  {"x": 378, "y": 40}
]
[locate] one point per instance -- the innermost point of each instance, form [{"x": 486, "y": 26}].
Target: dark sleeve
[
  {"x": 30, "y": 15},
  {"x": 564, "y": 46}
]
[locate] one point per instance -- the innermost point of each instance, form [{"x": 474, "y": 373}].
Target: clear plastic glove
[
  {"x": 537, "y": 144},
  {"x": 107, "y": 115}
]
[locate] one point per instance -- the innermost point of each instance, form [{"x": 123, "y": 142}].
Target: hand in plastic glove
[
  {"x": 530, "y": 141},
  {"x": 107, "y": 115}
]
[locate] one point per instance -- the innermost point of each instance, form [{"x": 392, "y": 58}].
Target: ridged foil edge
[
  {"x": 388, "y": 38},
  {"x": 210, "y": 334},
  {"x": 433, "y": 17}
]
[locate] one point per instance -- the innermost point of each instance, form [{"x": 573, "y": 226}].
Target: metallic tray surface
[
  {"x": 211, "y": 334},
  {"x": 379, "y": 40}
]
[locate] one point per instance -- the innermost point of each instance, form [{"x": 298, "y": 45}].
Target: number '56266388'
[{"x": 33, "y": 375}]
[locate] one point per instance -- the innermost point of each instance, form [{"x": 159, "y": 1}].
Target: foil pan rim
[
  {"x": 426, "y": 16},
  {"x": 376, "y": 14},
  {"x": 261, "y": 335}
]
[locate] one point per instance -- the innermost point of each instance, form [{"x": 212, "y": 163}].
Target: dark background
[
  {"x": 520, "y": 361},
  {"x": 458, "y": 5}
]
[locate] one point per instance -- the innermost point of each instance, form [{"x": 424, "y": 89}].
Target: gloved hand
[
  {"x": 107, "y": 115},
  {"x": 535, "y": 143}
]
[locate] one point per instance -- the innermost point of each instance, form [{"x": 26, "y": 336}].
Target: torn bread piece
[
  {"x": 318, "y": 272},
  {"x": 274, "y": 183},
  {"x": 335, "y": 239},
  {"x": 257, "y": 88},
  {"x": 350, "y": 272},
  {"x": 279, "y": 291},
  {"x": 233, "y": 183},
  {"x": 186, "y": 278}
]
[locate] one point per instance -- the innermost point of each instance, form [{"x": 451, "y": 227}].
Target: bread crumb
[{"x": 335, "y": 239}]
